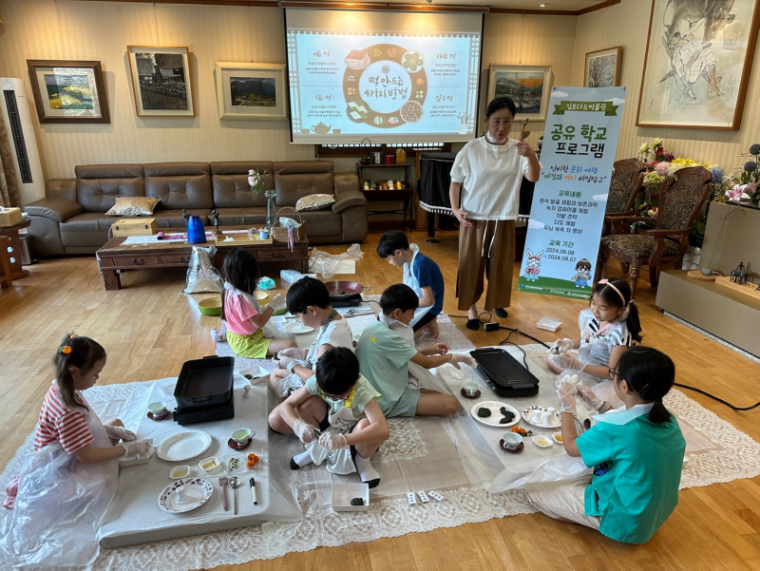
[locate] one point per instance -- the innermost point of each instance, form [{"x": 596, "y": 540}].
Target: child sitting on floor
[
  {"x": 66, "y": 485},
  {"x": 421, "y": 274},
  {"x": 240, "y": 310},
  {"x": 309, "y": 300},
  {"x": 385, "y": 350},
  {"x": 636, "y": 451},
  {"x": 354, "y": 426},
  {"x": 608, "y": 328}
]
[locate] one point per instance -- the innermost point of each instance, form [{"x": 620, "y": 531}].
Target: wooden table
[
  {"x": 17, "y": 272},
  {"x": 115, "y": 256}
]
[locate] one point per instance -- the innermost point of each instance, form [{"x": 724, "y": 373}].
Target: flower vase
[{"x": 271, "y": 210}]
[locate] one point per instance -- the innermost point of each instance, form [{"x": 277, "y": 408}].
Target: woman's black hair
[
  {"x": 390, "y": 242},
  {"x": 398, "y": 296},
  {"x": 500, "y": 103},
  {"x": 305, "y": 292},
  {"x": 241, "y": 270},
  {"x": 75, "y": 351},
  {"x": 337, "y": 371},
  {"x": 585, "y": 264},
  {"x": 611, "y": 297},
  {"x": 651, "y": 374}
]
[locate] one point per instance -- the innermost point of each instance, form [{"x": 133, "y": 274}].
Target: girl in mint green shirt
[{"x": 636, "y": 453}]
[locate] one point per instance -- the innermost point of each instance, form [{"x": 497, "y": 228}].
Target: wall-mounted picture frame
[
  {"x": 251, "y": 91},
  {"x": 603, "y": 68},
  {"x": 161, "y": 81},
  {"x": 68, "y": 91},
  {"x": 697, "y": 65},
  {"x": 529, "y": 86}
]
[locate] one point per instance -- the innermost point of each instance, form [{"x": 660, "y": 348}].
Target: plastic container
[
  {"x": 179, "y": 472},
  {"x": 548, "y": 323},
  {"x": 342, "y": 495},
  {"x": 542, "y": 441},
  {"x": 210, "y": 465},
  {"x": 290, "y": 276}
]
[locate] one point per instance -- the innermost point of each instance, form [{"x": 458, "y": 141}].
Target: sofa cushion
[
  {"x": 98, "y": 186},
  {"x": 133, "y": 206},
  {"x": 314, "y": 202},
  {"x": 229, "y": 181},
  {"x": 175, "y": 219},
  {"x": 241, "y": 216},
  {"x": 319, "y": 222},
  {"x": 179, "y": 185},
  {"x": 86, "y": 229},
  {"x": 296, "y": 179}
]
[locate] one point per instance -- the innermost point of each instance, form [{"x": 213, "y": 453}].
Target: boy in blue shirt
[{"x": 421, "y": 274}]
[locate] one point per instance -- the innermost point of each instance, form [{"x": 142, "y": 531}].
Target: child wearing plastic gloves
[
  {"x": 64, "y": 487},
  {"x": 354, "y": 426},
  {"x": 636, "y": 453},
  {"x": 309, "y": 300},
  {"x": 385, "y": 350}
]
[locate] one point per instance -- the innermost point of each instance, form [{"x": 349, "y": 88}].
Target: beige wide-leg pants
[{"x": 486, "y": 249}]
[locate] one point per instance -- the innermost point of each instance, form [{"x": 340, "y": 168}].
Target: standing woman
[{"x": 491, "y": 169}]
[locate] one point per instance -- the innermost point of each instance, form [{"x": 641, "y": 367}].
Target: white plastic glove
[
  {"x": 136, "y": 448},
  {"x": 286, "y": 362},
  {"x": 569, "y": 362},
  {"x": 566, "y": 392},
  {"x": 458, "y": 358},
  {"x": 592, "y": 401},
  {"x": 304, "y": 431},
  {"x": 294, "y": 352},
  {"x": 120, "y": 433},
  {"x": 333, "y": 441},
  {"x": 562, "y": 346},
  {"x": 277, "y": 303}
]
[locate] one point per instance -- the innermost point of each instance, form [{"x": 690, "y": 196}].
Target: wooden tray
[
  {"x": 698, "y": 275},
  {"x": 748, "y": 288},
  {"x": 241, "y": 239}
]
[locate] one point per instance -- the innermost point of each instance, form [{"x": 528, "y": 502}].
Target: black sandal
[
  {"x": 473, "y": 324},
  {"x": 501, "y": 312}
]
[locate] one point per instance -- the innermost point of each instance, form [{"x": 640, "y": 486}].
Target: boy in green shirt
[{"x": 636, "y": 453}]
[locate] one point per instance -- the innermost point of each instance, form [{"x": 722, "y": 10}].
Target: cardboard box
[
  {"x": 134, "y": 227},
  {"x": 10, "y": 216}
]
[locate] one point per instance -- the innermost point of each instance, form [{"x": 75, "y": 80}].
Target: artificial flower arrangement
[
  {"x": 747, "y": 183},
  {"x": 256, "y": 180}
]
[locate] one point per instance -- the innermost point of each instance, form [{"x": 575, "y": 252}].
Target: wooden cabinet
[{"x": 372, "y": 173}]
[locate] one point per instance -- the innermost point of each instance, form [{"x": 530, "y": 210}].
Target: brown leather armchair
[
  {"x": 679, "y": 204},
  {"x": 627, "y": 180}
]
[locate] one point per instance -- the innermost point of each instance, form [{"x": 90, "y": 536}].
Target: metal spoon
[{"x": 234, "y": 483}]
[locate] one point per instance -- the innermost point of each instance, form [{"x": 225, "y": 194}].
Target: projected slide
[{"x": 391, "y": 87}]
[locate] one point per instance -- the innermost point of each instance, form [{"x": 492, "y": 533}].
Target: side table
[{"x": 14, "y": 250}]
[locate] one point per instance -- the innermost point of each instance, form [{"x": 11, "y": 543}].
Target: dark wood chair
[
  {"x": 5, "y": 262},
  {"x": 680, "y": 203},
  {"x": 626, "y": 182}
]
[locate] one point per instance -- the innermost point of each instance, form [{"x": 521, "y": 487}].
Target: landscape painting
[
  {"x": 253, "y": 91},
  {"x": 527, "y": 86},
  {"x": 68, "y": 91},
  {"x": 698, "y": 62},
  {"x": 161, "y": 81},
  {"x": 603, "y": 68},
  {"x": 250, "y": 91}
]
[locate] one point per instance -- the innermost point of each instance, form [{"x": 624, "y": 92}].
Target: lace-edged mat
[{"x": 418, "y": 456}]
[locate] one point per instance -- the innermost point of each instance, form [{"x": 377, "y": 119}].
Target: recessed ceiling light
[{"x": 542, "y": 5}]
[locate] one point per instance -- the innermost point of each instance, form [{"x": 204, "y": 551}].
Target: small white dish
[
  {"x": 242, "y": 435},
  {"x": 157, "y": 408},
  {"x": 179, "y": 472},
  {"x": 297, "y": 328},
  {"x": 184, "y": 445},
  {"x": 542, "y": 441},
  {"x": 535, "y": 415},
  {"x": 557, "y": 437},
  {"x": 496, "y": 415},
  {"x": 548, "y": 323},
  {"x": 185, "y": 495},
  {"x": 210, "y": 465},
  {"x": 342, "y": 494}
]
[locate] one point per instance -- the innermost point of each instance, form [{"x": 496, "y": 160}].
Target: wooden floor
[{"x": 149, "y": 329}]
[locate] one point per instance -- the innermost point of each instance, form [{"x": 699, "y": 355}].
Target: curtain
[{"x": 9, "y": 194}]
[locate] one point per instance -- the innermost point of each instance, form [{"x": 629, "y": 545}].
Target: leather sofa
[{"x": 71, "y": 218}]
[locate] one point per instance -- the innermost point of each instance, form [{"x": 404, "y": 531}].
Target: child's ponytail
[
  {"x": 651, "y": 374},
  {"x": 632, "y": 322},
  {"x": 75, "y": 351}
]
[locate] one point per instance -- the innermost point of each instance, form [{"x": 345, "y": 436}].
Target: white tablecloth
[{"x": 135, "y": 516}]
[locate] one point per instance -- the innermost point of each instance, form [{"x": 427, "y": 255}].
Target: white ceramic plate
[
  {"x": 555, "y": 423},
  {"x": 297, "y": 327},
  {"x": 496, "y": 416},
  {"x": 183, "y": 445},
  {"x": 197, "y": 492}
]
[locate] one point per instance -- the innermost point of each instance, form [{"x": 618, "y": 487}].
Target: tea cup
[
  {"x": 305, "y": 132},
  {"x": 546, "y": 417},
  {"x": 512, "y": 440},
  {"x": 157, "y": 408},
  {"x": 536, "y": 415},
  {"x": 470, "y": 389},
  {"x": 706, "y": 271},
  {"x": 336, "y": 131},
  {"x": 242, "y": 435}
]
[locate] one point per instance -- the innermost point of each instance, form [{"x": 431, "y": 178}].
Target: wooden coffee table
[{"x": 116, "y": 256}]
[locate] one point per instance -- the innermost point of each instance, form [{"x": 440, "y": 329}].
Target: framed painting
[
  {"x": 698, "y": 62},
  {"x": 528, "y": 86},
  {"x": 251, "y": 91},
  {"x": 68, "y": 91},
  {"x": 161, "y": 81},
  {"x": 603, "y": 68}
]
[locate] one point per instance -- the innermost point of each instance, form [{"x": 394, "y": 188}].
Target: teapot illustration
[{"x": 321, "y": 129}]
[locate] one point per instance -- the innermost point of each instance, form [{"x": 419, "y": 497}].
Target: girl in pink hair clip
[{"x": 608, "y": 328}]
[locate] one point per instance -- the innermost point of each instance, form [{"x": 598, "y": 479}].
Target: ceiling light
[{"x": 542, "y": 5}]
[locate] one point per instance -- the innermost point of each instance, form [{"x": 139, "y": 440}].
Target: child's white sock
[
  {"x": 221, "y": 335},
  {"x": 300, "y": 460},
  {"x": 367, "y": 472}
]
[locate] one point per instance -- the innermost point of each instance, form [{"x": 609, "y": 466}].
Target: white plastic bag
[
  {"x": 329, "y": 264},
  {"x": 202, "y": 276}
]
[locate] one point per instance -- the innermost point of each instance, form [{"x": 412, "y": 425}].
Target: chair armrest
[
  {"x": 61, "y": 188},
  {"x": 58, "y": 209},
  {"x": 345, "y": 181},
  {"x": 664, "y": 232},
  {"x": 619, "y": 215},
  {"x": 348, "y": 199}
]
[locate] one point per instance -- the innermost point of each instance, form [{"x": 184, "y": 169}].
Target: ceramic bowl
[
  {"x": 210, "y": 306},
  {"x": 157, "y": 408},
  {"x": 512, "y": 439},
  {"x": 179, "y": 472},
  {"x": 241, "y": 435},
  {"x": 470, "y": 388},
  {"x": 542, "y": 441}
]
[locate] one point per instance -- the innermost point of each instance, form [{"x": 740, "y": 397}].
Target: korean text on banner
[{"x": 567, "y": 214}]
